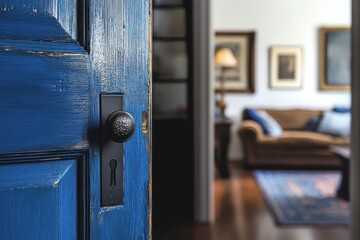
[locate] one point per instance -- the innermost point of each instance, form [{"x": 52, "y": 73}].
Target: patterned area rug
[{"x": 299, "y": 197}]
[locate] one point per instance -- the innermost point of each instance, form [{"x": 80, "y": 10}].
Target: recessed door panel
[{"x": 40, "y": 198}]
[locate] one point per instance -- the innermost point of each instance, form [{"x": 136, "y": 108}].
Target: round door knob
[{"x": 120, "y": 126}]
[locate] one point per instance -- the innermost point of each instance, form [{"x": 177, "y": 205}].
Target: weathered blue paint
[
  {"x": 67, "y": 16},
  {"x": 44, "y": 6},
  {"x": 43, "y": 85},
  {"x": 64, "y": 11},
  {"x": 39, "y": 199},
  {"x": 82, "y": 179},
  {"x": 50, "y": 91},
  {"x": 120, "y": 63},
  {"x": 20, "y": 25},
  {"x": 42, "y": 48},
  {"x": 38, "y": 99}
]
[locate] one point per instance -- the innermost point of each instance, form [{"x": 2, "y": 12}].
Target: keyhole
[{"x": 113, "y": 164}]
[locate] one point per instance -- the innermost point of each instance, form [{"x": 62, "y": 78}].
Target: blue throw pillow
[
  {"x": 312, "y": 124},
  {"x": 341, "y": 109},
  {"x": 252, "y": 114},
  {"x": 272, "y": 125},
  {"x": 337, "y": 124}
]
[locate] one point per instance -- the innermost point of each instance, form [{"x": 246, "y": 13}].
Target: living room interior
[{"x": 280, "y": 69}]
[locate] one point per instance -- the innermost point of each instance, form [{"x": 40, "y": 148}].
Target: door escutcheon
[{"x": 117, "y": 127}]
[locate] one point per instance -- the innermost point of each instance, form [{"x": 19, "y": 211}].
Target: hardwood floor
[{"x": 241, "y": 214}]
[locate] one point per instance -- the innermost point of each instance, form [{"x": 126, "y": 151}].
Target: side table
[{"x": 222, "y": 139}]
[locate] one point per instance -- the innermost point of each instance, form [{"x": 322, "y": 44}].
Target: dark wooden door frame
[
  {"x": 355, "y": 132},
  {"x": 203, "y": 112}
]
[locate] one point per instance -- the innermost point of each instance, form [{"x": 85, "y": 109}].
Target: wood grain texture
[
  {"x": 64, "y": 11},
  {"x": 119, "y": 36},
  {"x": 44, "y": 193},
  {"x": 44, "y": 6},
  {"x": 82, "y": 180},
  {"x": 42, "y": 48},
  {"x": 67, "y": 16},
  {"x": 50, "y": 91},
  {"x": 39, "y": 99},
  {"x": 39, "y": 27},
  {"x": 43, "y": 85}
]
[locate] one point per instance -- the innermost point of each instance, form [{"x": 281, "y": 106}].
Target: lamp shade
[{"x": 225, "y": 58}]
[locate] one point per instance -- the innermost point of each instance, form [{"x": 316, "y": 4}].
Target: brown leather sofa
[{"x": 295, "y": 147}]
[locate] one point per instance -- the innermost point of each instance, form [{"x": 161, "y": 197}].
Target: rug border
[{"x": 275, "y": 218}]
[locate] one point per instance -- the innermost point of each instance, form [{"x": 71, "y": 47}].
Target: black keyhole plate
[{"x": 112, "y": 163}]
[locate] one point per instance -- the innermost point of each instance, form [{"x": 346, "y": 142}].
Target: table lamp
[{"x": 224, "y": 59}]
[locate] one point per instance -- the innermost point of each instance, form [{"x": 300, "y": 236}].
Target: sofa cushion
[
  {"x": 312, "y": 124},
  {"x": 252, "y": 114},
  {"x": 335, "y": 123},
  {"x": 273, "y": 127},
  {"x": 305, "y": 138},
  {"x": 292, "y": 119},
  {"x": 341, "y": 109}
]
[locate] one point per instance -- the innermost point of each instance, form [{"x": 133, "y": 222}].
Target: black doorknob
[{"x": 120, "y": 126}]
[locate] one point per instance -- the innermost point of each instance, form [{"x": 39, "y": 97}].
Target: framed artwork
[
  {"x": 241, "y": 77},
  {"x": 286, "y": 67},
  {"x": 335, "y": 58}
]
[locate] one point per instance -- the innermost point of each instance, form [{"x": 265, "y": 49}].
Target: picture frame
[
  {"x": 335, "y": 59},
  {"x": 241, "y": 78},
  {"x": 286, "y": 67}
]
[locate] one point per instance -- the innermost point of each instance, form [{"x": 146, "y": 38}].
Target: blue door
[{"x": 58, "y": 58}]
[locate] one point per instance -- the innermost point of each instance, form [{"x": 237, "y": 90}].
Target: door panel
[
  {"x": 43, "y": 85},
  {"x": 40, "y": 26},
  {"x": 44, "y": 193},
  {"x": 41, "y": 100}
]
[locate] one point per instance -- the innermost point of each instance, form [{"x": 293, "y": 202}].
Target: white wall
[{"x": 281, "y": 22}]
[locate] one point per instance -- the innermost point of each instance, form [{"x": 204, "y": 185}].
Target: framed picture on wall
[
  {"x": 286, "y": 67},
  {"x": 335, "y": 58},
  {"x": 239, "y": 78}
]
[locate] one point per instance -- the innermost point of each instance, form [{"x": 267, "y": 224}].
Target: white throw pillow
[
  {"x": 273, "y": 126},
  {"x": 335, "y": 123}
]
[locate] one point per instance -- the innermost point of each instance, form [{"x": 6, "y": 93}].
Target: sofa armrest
[
  {"x": 250, "y": 133},
  {"x": 249, "y": 128}
]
